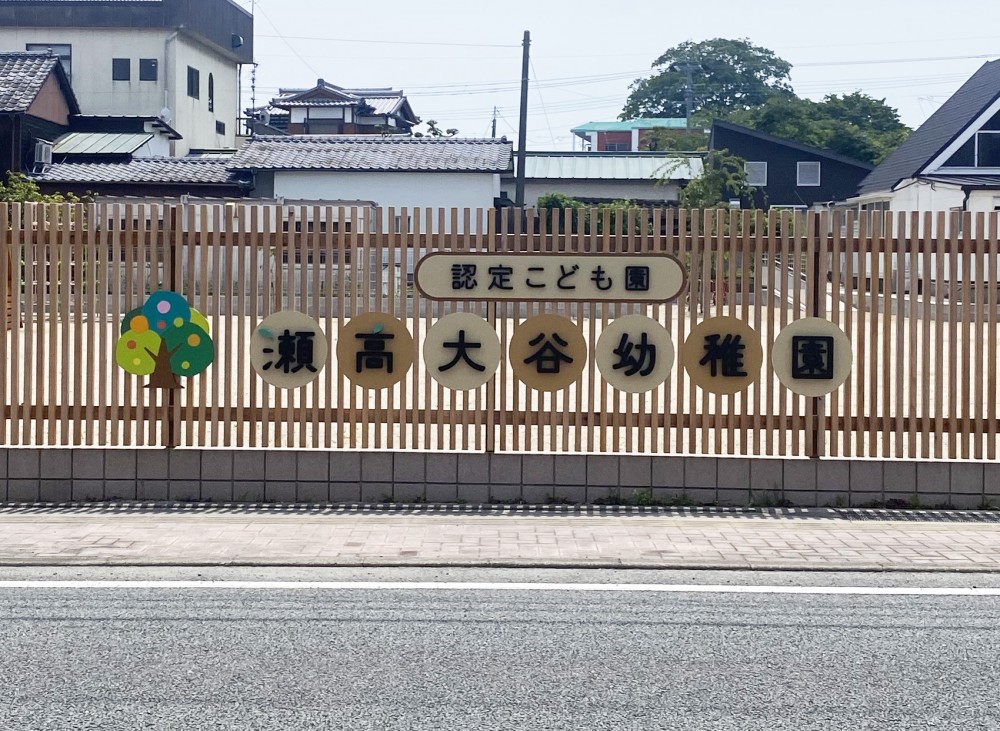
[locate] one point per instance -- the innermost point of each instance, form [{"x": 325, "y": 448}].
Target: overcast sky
[{"x": 458, "y": 59}]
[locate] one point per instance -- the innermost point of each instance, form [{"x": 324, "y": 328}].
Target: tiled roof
[
  {"x": 373, "y": 153},
  {"x": 930, "y": 138},
  {"x": 383, "y": 100},
  {"x": 166, "y": 170},
  {"x": 22, "y": 75}
]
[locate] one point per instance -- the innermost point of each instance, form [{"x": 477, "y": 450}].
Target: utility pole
[
  {"x": 687, "y": 68},
  {"x": 493, "y": 134},
  {"x": 522, "y": 131}
]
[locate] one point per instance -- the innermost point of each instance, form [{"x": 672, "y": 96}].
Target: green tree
[
  {"x": 723, "y": 178},
  {"x": 22, "y": 189},
  {"x": 662, "y": 139},
  {"x": 164, "y": 339},
  {"x": 855, "y": 125},
  {"x": 729, "y": 75}
]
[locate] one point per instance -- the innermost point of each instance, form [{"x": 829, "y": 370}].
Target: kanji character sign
[
  {"x": 461, "y": 351},
  {"x": 812, "y": 357},
  {"x": 547, "y": 352},
  {"x": 288, "y": 349},
  {"x": 374, "y": 350},
  {"x": 723, "y": 355},
  {"x": 635, "y": 353}
]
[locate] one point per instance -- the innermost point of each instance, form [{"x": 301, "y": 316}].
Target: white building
[
  {"x": 646, "y": 178},
  {"x": 175, "y": 59},
  {"x": 399, "y": 172}
]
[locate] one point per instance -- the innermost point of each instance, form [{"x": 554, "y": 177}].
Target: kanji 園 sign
[
  {"x": 635, "y": 353},
  {"x": 565, "y": 277},
  {"x": 722, "y": 355},
  {"x": 547, "y": 352},
  {"x": 462, "y": 351},
  {"x": 374, "y": 350},
  {"x": 812, "y": 357},
  {"x": 288, "y": 349}
]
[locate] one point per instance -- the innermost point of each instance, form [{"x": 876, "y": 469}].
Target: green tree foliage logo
[{"x": 165, "y": 339}]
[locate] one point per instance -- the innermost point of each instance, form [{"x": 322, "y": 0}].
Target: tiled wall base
[{"x": 60, "y": 475}]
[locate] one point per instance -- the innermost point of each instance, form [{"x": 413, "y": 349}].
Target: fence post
[
  {"x": 170, "y": 248},
  {"x": 817, "y": 440}
]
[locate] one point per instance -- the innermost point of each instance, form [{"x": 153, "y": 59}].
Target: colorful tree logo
[{"x": 165, "y": 339}]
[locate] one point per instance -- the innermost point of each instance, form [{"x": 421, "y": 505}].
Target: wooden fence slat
[{"x": 916, "y": 293}]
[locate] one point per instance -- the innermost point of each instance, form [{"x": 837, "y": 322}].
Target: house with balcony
[{"x": 630, "y": 135}]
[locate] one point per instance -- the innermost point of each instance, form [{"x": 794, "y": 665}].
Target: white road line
[{"x": 503, "y": 586}]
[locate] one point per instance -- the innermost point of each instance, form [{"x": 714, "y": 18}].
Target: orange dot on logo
[
  {"x": 140, "y": 324},
  {"x": 193, "y": 340}
]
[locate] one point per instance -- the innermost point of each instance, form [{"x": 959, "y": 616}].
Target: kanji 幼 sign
[{"x": 563, "y": 277}]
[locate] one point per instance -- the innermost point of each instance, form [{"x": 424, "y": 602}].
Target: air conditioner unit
[{"x": 43, "y": 152}]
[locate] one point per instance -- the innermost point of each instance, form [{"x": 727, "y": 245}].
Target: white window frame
[
  {"x": 798, "y": 174},
  {"x": 750, "y": 179}
]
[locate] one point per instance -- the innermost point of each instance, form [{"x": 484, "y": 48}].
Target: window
[
  {"x": 211, "y": 93},
  {"x": 63, "y": 51},
  {"x": 988, "y": 149},
  {"x": 616, "y": 147},
  {"x": 220, "y": 128},
  {"x": 756, "y": 173},
  {"x": 121, "y": 69},
  {"x": 807, "y": 174},
  {"x": 194, "y": 83},
  {"x": 147, "y": 69}
]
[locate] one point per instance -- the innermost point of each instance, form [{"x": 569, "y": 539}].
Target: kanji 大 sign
[{"x": 564, "y": 277}]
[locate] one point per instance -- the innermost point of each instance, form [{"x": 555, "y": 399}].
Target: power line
[
  {"x": 391, "y": 43},
  {"x": 541, "y": 102}
]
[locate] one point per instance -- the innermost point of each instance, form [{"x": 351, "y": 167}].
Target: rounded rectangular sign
[{"x": 566, "y": 276}]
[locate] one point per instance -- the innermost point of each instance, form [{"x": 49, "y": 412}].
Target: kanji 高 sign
[{"x": 564, "y": 277}]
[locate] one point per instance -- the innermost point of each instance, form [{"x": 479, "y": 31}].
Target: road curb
[{"x": 963, "y": 568}]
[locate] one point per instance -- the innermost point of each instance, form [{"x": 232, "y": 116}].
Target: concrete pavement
[{"x": 269, "y": 535}]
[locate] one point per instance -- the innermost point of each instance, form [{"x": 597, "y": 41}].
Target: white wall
[
  {"x": 191, "y": 116},
  {"x": 923, "y": 196},
  {"x": 424, "y": 190},
  {"x": 984, "y": 201},
  {"x": 98, "y": 94},
  {"x": 615, "y": 189},
  {"x": 92, "y": 51}
]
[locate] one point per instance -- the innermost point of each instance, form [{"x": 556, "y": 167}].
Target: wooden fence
[{"x": 916, "y": 293}]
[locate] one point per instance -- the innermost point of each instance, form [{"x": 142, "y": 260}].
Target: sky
[{"x": 457, "y": 60}]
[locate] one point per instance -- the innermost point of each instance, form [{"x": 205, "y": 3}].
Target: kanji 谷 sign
[
  {"x": 812, "y": 357},
  {"x": 722, "y": 355},
  {"x": 566, "y": 277},
  {"x": 461, "y": 351},
  {"x": 374, "y": 350},
  {"x": 547, "y": 352},
  {"x": 288, "y": 349},
  {"x": 635, "y": 353}
]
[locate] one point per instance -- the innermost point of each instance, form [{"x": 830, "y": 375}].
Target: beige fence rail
[{"x": 916, "y": 293}]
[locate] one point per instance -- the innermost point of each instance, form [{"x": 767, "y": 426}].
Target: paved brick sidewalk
[{"x": 806, "y": 540}]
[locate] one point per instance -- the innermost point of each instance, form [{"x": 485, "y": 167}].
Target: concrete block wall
[{"x": 61, "y": 475}]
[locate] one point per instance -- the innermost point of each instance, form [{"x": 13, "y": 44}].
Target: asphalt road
[{"x": 165, "y": 657}]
